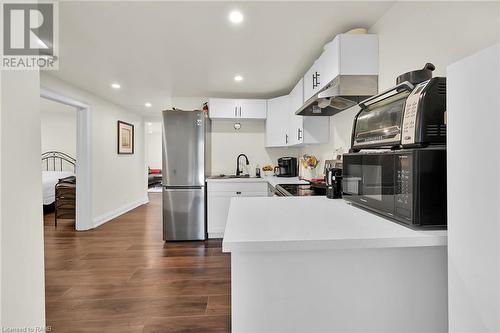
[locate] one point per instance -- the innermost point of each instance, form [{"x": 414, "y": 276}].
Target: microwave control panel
[
  {"x": 404, "y": 187},
  {"x": 410, "y": 114}
]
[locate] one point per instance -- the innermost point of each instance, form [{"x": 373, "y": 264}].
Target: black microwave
[{"x": 407, "y": 186}]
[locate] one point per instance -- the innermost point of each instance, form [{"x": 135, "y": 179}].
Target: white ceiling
[{"x": 160, "y": 50}]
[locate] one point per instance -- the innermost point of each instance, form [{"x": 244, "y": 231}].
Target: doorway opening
[
  {"x": 58, "y": 141},
  {"x": 59, "y": 163},
  {"x": 153, "y": 145}
]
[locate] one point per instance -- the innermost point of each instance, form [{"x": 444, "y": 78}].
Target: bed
[{"x": 55, "y": 165}]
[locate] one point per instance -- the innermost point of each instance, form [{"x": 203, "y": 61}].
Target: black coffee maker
[
  {"x": 333, "y": 180},
  {"x": 287, "y": 167}
]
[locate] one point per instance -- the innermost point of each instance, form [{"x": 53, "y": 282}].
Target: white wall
[
  {"x": 412, "y": 34},
  {"x": 119, "y": 181},
  {"x": 22, "y": 253},
  {"x": 443, "y": 33},
  {"x": 473, "y": 228},
  {"x": 228, "y": 143},
  {"x": 58, "y": 127}
]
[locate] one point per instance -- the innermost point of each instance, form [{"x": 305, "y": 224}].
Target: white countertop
[
  {"x": 314, "y": 223},
  {"x": 273, "y": 180}
]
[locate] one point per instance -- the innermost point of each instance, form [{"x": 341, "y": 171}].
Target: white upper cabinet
[
  {"x": 278, "y": 115},
  {"x": 295, "y": 123},
  {"x": 284, "y": 128},
  {"x": 222, "y": 108},
  {"x": 225, "y": 108},
  {"x": 305, "y": 130},
  {"x": 345, "y": 55},
  {"x": 330, "y": 62},
  {"x": 312, "y": 80},
  {"x": 252, "y": 108}
]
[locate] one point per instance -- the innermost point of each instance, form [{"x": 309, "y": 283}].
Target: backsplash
[{"x": 228, "y": 143}]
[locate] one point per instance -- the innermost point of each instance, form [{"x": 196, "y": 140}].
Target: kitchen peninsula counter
[{"x": 312, "y": 264}]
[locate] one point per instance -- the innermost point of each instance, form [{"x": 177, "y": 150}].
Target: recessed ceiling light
[
  {"x": 115, "y": 85},
  {"x": 236, "y": 17},
  {"x": 148, "y": 105},
  {"x": 238, "y": 78}
]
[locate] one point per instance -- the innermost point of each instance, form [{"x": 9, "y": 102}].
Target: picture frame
[{"x": 125, "y": 138}]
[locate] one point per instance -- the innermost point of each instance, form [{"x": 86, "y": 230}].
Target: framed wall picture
[{"x": 125, "y": 138}]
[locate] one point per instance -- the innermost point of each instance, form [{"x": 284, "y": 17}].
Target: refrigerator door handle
[{"x": 185, "y": 188}]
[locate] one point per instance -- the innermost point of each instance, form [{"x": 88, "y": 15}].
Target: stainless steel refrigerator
[{"x": 186, "y": 162}]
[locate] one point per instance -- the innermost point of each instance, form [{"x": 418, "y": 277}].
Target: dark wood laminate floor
[{"x": 121, "y": 277}]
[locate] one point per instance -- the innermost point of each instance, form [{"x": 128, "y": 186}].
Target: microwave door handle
[{"x": 404, "y": 86}]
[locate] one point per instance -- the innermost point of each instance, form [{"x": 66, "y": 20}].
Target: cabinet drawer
[{"x": 237, "y": 187}]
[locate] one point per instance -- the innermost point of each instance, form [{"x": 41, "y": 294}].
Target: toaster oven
[{"x": 405, "y": 116}]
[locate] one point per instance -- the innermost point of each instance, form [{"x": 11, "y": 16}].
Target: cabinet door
[
  {"x": 218, "y": 207},
  {"x": 295, "y": 123},
  {"x": 277, "y": 121},
  {"x": 222, "y": 108},
  {"x": 252, "y": 108},
  {"x": 329, "y": 62},
  {"x": 312, "y": 80}
]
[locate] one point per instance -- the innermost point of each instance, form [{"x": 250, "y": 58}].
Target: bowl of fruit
[
  {"x": 268, "y": 170},
  {"x": 309, "y": 162}
]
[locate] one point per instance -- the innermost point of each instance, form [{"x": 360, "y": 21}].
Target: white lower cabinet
[{"x": 219, "y": 198}]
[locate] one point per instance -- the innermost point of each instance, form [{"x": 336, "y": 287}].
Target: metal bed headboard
[{"x": 51, "y": 160}]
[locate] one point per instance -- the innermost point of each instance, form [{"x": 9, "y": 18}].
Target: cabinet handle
[
  {"x": 238, "y": 192},
  {"x": 299, "y": 132},
  {"x": 236, "y": 111},
  {"x": 315, "y": 80},
  {"x": 240, "y": 111},
  {"x": 286, "y": 138}
]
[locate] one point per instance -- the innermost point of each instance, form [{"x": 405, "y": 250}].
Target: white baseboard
[
  {"x": 119, "y": 211},
  {"x": 216, "y": 234}
]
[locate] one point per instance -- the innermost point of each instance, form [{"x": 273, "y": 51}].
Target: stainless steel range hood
[{"x": 341, "y": 93}]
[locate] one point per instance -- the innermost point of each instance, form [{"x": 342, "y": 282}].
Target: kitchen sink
[{"x": 230, "y": 176}]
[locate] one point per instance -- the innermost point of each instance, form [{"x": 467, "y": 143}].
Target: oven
[{"x": 407, "y": 186}]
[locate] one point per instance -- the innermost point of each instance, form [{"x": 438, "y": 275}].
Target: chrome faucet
[{"x": 238, "y": 171}]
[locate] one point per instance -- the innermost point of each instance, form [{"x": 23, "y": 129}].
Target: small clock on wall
[{"x": 125, "y": 138}]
